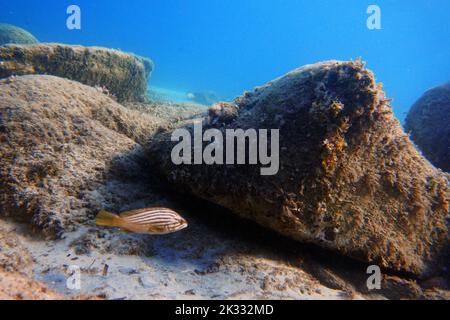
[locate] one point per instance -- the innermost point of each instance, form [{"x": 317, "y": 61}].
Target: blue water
[{"x": 229, "y": 46}]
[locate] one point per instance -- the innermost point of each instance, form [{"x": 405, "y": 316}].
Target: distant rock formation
[
  {"x": 206, "y": 98},
  {"x": 12, "y": 34},
  {"x": 123, "y": 75},
  {"x": 67, "y": 151},
  {"x": 350, "y": 179},
  {"x": 428, "y": 121}
]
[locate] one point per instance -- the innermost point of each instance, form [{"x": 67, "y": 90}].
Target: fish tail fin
[{"x": 107, "y": 219}]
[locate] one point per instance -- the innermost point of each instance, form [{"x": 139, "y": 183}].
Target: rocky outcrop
[
  {"x": 428, "y": 121},
  {"x": 123, "y": 75},
  {"x": 350, "y": 179},
  {"x": 68, "y": 150},
  {"x": 16, "y": 35}
]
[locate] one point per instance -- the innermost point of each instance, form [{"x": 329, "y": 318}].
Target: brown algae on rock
[
  {"x": 350, "y": 179},
  {"x": 123, "y": 75},
  {"x": 68, "y": 150}
]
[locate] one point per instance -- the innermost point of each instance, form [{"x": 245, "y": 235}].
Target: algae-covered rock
[
  {"x": 67, "y": 151},
  {"x": 428, "y": 121},
  {"x": 16, "y": 35},
  {"x": 124, "y": 75},
  {"x": 349, "y": 177}
]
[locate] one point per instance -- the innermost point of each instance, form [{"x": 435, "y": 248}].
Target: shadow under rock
[{"x": 331, "y": 269}]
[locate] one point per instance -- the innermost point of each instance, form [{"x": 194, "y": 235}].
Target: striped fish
[{"x": 153, "y": 221}]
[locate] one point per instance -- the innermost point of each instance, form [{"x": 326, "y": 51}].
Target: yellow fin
[{"x": 108, "y": 219}]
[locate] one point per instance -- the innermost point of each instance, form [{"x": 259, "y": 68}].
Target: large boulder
[
  {"x": 13, "y": 34},
  {"x": 124, "y": 75},
  {"x": 67, "y": 151},
  {"x": 350, "y": 179},
  {"x": 428, "y": 121}
]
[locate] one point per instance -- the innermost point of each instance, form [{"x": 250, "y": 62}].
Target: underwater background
[
  {"x": 354, "y": 205},
  {"x": 231, "y": 46}
]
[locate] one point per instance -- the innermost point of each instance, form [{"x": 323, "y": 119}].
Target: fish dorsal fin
[{"x": 132, "y": 212}]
